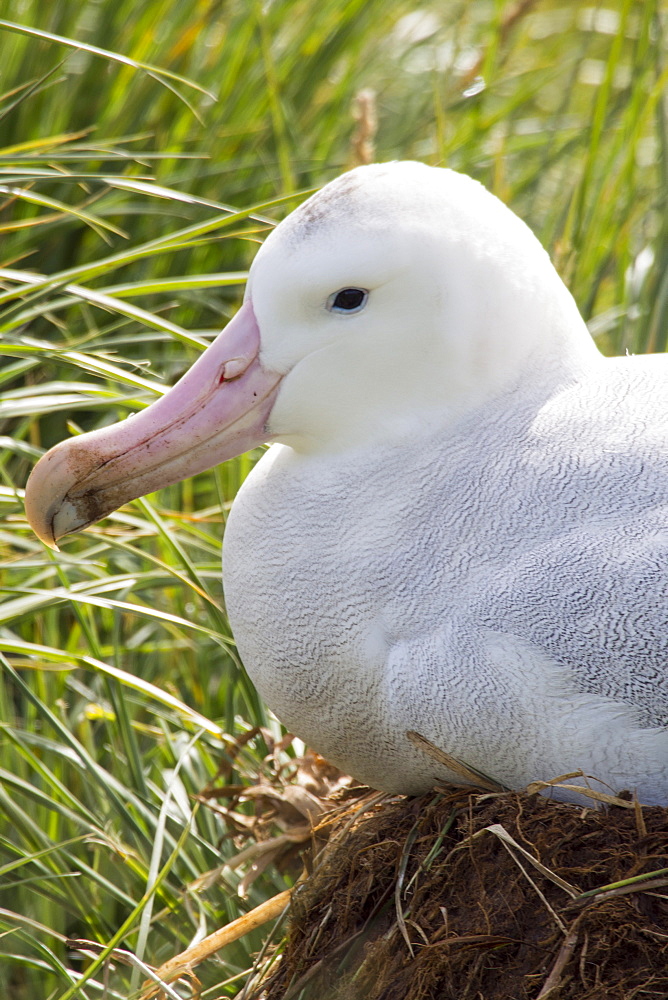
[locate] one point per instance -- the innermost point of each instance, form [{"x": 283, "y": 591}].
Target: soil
[{"x": 417, "y": 899}]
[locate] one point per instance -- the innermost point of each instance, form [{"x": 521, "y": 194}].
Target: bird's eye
[{"x": 347, "y": 300}]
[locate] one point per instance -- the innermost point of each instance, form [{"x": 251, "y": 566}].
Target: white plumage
[{"x": 463, "y": 529}]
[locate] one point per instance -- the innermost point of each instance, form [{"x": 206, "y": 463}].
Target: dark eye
[{"x": 347, "y": 300}]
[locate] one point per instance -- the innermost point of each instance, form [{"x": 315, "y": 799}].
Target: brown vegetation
[{"x": 460, "y": 895}]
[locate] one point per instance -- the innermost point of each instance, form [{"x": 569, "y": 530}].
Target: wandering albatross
[{"x": 461, "y": 527}]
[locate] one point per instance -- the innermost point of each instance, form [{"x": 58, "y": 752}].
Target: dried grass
[{"x": 461, "y": 895}]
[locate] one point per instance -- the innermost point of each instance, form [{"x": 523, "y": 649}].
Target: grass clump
[{"x": 456, "y": 896}]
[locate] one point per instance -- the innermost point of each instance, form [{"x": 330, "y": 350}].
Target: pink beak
[{"x": 219, "y": 409}]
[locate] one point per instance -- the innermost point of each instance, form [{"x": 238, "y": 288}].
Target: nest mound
[{"x": 489, "y": 897}]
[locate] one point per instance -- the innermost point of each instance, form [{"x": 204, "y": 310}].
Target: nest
[
  {"x": 490, "y": 897},
  {"x": 455, "y": 895}
]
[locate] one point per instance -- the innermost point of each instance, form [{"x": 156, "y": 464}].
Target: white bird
[{"x": 461, "y": 528}]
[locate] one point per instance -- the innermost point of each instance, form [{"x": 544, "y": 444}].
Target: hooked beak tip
[
  {"x": 51, "y": 543},
  {"x": 44, "y": 530},
  {"x": 40, "y": 501}
]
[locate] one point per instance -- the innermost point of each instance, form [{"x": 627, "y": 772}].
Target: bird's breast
[{"x": 366, "y": 593}]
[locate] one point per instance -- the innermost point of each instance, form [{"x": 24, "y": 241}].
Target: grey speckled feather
[{"x": 501, "y": 589}]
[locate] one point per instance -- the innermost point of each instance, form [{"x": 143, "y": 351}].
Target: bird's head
[{"x": 398, "y": 297}]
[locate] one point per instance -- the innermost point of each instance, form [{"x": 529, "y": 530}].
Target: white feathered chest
[{"x": 477, "y": 587}]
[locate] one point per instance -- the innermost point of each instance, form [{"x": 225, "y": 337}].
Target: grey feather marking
[{"x": 508, "y": 598}]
